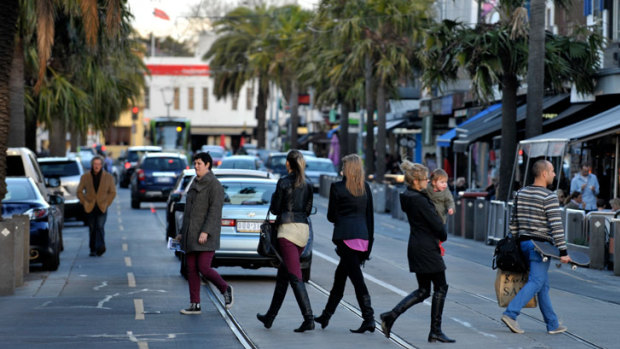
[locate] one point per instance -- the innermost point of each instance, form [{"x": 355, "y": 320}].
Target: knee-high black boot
[
  {"x": 330, "y": 308},
  {"x": 439, "y": 298},
  {"x": 276, "y": 302},
  {"x": 367, "y": 314},
  {"x": 299, "y": 289},
  {"x": 388, "y": 318}
]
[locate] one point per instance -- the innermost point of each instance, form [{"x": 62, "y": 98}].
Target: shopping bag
[{"x": 507, "y": 285}]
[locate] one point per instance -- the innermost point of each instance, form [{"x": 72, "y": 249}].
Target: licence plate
[
  {"x": 162, "y": 179},
  {"x": 248, "y": 227}
]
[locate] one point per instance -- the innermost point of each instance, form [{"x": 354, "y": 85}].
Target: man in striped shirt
[{"x": 536, "y": 216}]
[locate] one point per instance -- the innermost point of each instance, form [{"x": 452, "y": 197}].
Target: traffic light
[{"x": 134, "y": 113}]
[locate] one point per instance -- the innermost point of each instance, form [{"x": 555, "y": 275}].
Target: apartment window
[
  {"x": 615, "y": 22},
  {"x": 235, "y": 101},
  {"x": 147, "y": 98},
  {"x": 205, "y": 98},
  {"x": 249, "y": 95},
  {"x": 190, "y": 98},
  {"x": 177, "y": 98}
]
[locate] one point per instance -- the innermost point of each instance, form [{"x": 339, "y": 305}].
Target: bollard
[
  {"x": 457, "y": 220},
  {"x": 596, "y": 226},
  {"x": 24, "y": 223},
  {"x": 468, "y": 217},
  {"x": 574, "y": 227},
  {"x": 481, "y": 210},
  {"x": 378, "y": 197},
  {"x": 7, "y": 256},
  {"x": 615, "y": 228},
  {"x": 18, "y": 257}
]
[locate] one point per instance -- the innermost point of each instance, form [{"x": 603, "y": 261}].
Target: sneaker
[
  {"x": 194, "y": 309},
  {"x": 228, "y": 297},
  {"x": 560, "y": 329},
  {"x": 512, "y": 324}
]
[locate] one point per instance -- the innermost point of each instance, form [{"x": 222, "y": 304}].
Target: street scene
[{"x": 285, "y": 173}]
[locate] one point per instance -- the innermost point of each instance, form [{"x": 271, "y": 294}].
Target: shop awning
[
  {"x": 602, "y": 124},
  {"x": 445, "y": 139},
  {"x": 389, "y": 125},
  {"x": 572, "y": 110}
]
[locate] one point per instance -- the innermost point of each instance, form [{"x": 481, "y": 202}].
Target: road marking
[
  {"x": 125, "y": 247},
  {"x": 143, "y": 345},
  {"x": 133, "y": 338},
  {"x": 131, "y": 280},
  {"x": 105, "y": 300},
  {"x": 120, "y": 220},
  {"x": 103, "y": 284},
  {"x": 389, "y": 226},
  {"x": 138, "y": 304},
  {"x": 124, "y": 238},
  {"x": 121, "y": 228},
  {"x": 128, "y": 261},
  {"x": 468, "y": 325}
]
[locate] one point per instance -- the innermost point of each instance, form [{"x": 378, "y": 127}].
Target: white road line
[
  {"x": 128, "y": 261},
  {"x": 103, "y": 284},
  {"x": 138, "y": 304},
  {"x": 124, "y": 238},
  {"x": 125, "y": 247},
  {"x": 468, "y": 325},
  {"x": 131, "y": 280},
  {"x": 143, "y": 345},
  {"x": 105, "y": 300},
  {"x": 121, "y": 228}
]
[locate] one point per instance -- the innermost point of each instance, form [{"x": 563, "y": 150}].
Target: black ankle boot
[
  {"x": 388, "y": 318},
  {"x": 324, "y": 318},
  {"x": 439, "y": 298},
  {"x": 266, "y": 319},
  {"x": 307, "y": 325},
  {"x": 301, "y": 295},
  {"x": 367, "y": 314}
]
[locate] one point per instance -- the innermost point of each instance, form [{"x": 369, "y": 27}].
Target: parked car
[
  {"x": 315, "y": 167},
  {"x": 130, "y": 161},
  {"x": 246, "y": 204},
  {"x": 86, "y": 154},
  {"x": 69, "y": 170},
  {"x": 217, "y": 153},
  {"x": 241, "y": 162},
  {"x": 155, "y": 176},
  {"x": 23, "y": 162},
  {"x": 24, "y": 197}
]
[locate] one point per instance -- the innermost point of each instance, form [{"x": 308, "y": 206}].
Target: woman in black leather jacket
[
  {"x": 292, "y": 204},
  {"x": 350, "y": 209}
]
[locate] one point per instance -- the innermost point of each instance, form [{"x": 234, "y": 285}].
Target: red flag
[{"x": 161, "y": 14}]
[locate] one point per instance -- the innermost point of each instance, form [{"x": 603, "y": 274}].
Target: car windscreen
[
  {"x": 215, "y": 153},
  {"x": 135, "y": 155},
  {"x": 162, "y": 164},
  {"x": 14, "y": 166},
  {"x": 240, "y": 193},
  {"x": 238, "y": 164},
  {"x": 19, "y": 191},
  {"x": 60, "y": 168},
  {"x": 320, "y": 166},
  {"x": 277, "y": 161}
]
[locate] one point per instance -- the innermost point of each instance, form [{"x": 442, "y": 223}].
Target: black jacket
[
  {"x": 426, "y": 230},
  {"x": 291, "y": 205},
  {"x": 352, "y": 215}
]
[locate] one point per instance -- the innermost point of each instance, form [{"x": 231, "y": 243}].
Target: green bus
[{"x": 171, "y": 133}]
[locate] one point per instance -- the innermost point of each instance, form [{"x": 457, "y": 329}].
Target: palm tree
[{"x": 496, "y": 54}]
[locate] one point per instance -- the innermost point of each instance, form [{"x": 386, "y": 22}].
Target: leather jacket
[{"x": 289, "y": 204}]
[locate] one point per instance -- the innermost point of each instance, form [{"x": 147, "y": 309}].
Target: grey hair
[{"x": 97, "y": 157}]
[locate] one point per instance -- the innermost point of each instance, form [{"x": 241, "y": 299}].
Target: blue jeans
[
  {"x": 96, "y": 223},
  {"x": 537, "y": 284}
]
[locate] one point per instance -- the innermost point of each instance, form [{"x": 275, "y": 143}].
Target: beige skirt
[{"x": 296, "y": 233}]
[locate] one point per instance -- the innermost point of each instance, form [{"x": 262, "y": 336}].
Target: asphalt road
[{"x": 131, "y": 297}]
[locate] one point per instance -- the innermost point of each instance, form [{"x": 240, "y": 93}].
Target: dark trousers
[
  {"x": 201, "y": 261},
  {"x": 96, "y": 224},
  {"x": 349, "y": 266},
  {"x": 438, "y": 279}
]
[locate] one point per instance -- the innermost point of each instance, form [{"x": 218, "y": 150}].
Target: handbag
[
  {"x": 507, "y": 285},
  {"x": 267, "y": 240},
  {"x": 507, "y": 255}
]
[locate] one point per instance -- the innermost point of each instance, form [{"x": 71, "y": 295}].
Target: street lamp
[{"x": 167, "y": 94}]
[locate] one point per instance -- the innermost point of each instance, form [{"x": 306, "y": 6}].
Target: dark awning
[{"x": 445, "y": 139}]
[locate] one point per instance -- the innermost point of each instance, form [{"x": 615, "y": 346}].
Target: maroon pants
[
  {"x": 290, "y": 254},
  {"x": 201, "y": 261}
]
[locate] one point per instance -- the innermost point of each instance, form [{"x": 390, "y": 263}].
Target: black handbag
[
  {"x": 507, "y": 255},
  {"x": 267, "y": 241}
]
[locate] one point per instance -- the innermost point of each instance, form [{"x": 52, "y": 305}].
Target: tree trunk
[
  {"x": 8, "y": 19},
  {"x": 294, "y": 120},
  {"x": 31, "y": 133},
  {"x": 17, "y": 136},
  {"x": 344, "y": 130},
  {"x": 509, "y": 134},
  {"x": 536, "y": 69},
  {"x": 381, "y": 133},
  {"x": 261, "y": 110},
  {"x": 58, "y": 137},
  {"x": 74, "y": 140},
  {"x": 370, "y": 124}
]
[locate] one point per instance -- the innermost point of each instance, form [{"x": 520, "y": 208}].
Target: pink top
[{"x": 357, "y": 244}]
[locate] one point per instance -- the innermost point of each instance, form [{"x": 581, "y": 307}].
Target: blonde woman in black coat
[
  {"x": 350, "y": 209},
  {"x": 423, "y": 252}
]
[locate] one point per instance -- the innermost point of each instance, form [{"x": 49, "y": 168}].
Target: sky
[{"x": 178, "y": 26}]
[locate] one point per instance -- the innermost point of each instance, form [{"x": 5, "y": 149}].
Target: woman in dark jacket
[
  {"x": 292, "y": 204},
  {"x": 200, "y": 232},
  {"x": 350, "y": 209},
  {"x": 423, "y": 252}
]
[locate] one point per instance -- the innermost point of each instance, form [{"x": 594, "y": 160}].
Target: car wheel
[
  {"x": 53, "y": 261},
  {"x": 305, "y": 273},
  {"x": 135, "y": 203},
  {"x": 124, "y": 184}
]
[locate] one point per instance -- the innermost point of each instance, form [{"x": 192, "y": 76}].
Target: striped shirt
[{"x": 537, "y": 216}]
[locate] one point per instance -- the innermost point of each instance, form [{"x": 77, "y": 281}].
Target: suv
[
  {"x": 69, "y": 171},
  {"x": 155, "y": 176},
  {"x": 131, "y": 160},
  {"x": 22, "y": 162}
]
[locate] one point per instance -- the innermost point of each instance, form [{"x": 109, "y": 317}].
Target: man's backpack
[{"x": 508, "y": 256}]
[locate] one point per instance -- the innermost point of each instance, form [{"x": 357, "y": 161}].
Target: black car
[
  {"x": 130, "y": 161},
  {"x": 155, "y": 177},
  {"x": 24, "y": 197}
]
